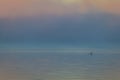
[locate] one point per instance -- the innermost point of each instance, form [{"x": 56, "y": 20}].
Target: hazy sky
[
  {"x": 68, "y": 23},
  {"x": 13, "y": 8}
]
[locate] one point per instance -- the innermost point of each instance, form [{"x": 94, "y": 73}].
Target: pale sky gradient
[
  {"x": 60, "y": 23},
  {"x": 17, "y": 8}
]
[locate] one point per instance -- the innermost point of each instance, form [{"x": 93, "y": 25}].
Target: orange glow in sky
[{"x": 16, "y": 8}]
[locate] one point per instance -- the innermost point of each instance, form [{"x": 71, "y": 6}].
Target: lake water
[{"x": 59, "y": 66}]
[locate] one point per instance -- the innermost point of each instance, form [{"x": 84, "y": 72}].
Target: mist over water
[
  {"x": 21, "y": 41},
  {"x": 59, "y": 66},
  {"x": 59, "y": 40}
]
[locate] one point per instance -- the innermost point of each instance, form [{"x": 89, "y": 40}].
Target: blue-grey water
[{"x": 59, "y": 66}]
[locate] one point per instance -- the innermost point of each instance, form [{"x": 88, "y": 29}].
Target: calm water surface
[{"x": 59, "y": 66}]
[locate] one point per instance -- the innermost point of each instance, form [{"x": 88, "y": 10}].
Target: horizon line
[{"x": 57, "y": 50}]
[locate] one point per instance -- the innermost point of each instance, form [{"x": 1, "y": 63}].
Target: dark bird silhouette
[{"x": 91, "y": 53}]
